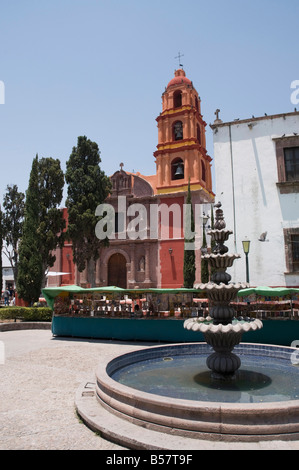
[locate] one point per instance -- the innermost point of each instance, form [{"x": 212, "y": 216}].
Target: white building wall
[
  {"x": 246, "y": 176},
  {"x": 7, "y": 277}
]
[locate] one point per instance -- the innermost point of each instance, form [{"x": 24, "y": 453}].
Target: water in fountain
[
  {"x": 169, "y": 388},
  {"x": 219, "y": 329}
]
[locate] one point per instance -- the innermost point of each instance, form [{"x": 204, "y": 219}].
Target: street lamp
[{"x": 246, "y": 245}]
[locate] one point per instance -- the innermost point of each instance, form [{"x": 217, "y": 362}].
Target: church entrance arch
[{"x": 117, "y": 271}]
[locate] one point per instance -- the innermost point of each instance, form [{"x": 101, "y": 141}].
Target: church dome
[{"x": 179, "y": 77}]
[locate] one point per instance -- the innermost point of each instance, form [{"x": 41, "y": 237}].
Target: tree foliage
[
  {"x": 88, "y": 186},
  {"x": 204, "y": 262},
  {"x": 30, "y": 273},
  {"x": 213, "y": 242},
  {"x": 51, "y": 222},
  {"x": 1, "y": 245},
  {"x": 12, "y": 219},
  {"x": 43, "y": 226},
  {"x": 189, "y": 254}
]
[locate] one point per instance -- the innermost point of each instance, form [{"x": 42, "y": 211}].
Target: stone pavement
[
  {"x": 39, "y": 379},
  {"x": 40, "y": 376}
]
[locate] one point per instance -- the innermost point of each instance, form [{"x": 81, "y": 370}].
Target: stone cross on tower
[
  {"x": 217, "y": 120},
  {"x": 179, "y": 57}
]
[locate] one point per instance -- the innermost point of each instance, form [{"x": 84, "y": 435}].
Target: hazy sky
[{"x": 99, "y": 67}]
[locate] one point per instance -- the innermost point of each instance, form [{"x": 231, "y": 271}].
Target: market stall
[
  {"x": 158, "y": 314},
  {"x": 112, "y": 312}
]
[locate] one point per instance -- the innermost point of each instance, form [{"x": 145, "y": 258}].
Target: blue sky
[{"x": 99, "y": 67}]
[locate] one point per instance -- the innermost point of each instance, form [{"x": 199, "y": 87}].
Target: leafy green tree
[
  {"x": 12, "y": 223},
  {"x": 51, "y": 222},
  {"x": 213, "y": 243},
  {"x": 30, "y": 272},
  {"x": 43, "y": 226},
  {"x": 88, "y": 186},
  {"x": 1, "y": 245},
  {"x": 204, "y": 262},
  {"x": 189, "y": 248}
]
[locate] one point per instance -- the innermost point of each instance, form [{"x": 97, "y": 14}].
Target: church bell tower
[{"x": 181, "y": 151}]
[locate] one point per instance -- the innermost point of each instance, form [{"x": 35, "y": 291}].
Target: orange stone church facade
[{"x": 156, "y": 259}]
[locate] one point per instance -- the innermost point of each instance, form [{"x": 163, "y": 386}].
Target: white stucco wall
[{"x": 246, "y": 177}]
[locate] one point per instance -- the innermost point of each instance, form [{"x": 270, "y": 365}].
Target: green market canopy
[
  {"x": 50, "y": 293},
  {"x": 268, "y": 291}
]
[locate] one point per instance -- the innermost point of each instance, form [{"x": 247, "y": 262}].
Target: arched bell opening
[
  {"x": 177, "y": 131},
  {"x": 177, "y": 169},
  {"x": 177, "y": 99}
]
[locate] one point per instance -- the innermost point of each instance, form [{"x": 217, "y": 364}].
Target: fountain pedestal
[{"x": 223, "y": 362}]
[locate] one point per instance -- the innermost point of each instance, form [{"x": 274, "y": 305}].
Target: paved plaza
[{"x": 39, "y": 380}]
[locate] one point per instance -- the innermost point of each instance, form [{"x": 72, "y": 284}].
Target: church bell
[{"x": 179, "y": 171}]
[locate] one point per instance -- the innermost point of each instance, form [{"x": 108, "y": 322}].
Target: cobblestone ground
[{"x": 39, "y": 378}]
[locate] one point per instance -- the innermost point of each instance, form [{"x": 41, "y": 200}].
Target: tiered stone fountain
[
  {"x": 148, "y": 393},
  {"x": 220, "y": 329}
]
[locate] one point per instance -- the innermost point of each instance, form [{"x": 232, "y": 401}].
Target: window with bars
[
  {"x": 287, "y": 157},
  {"x": 291, "y": 238},
  {"x": 295, "y": 252},
  {"x": 291, "y": 159}
]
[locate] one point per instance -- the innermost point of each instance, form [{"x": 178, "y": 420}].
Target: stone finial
[
  {"x": 217, "y": 120},
  {"x": 219, "y": 218}
]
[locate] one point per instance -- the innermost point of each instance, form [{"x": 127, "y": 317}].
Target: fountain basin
[
  {"x": 197, "y": 418},
  {"x": 219, "y": 261},
  {"x": 235, "y": 327},
  {"x": 220, "y": 235},
  {"x": 221, "y": 293},
  {"x": 223, "y": 338}
]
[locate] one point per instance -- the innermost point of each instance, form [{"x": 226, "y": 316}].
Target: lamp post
[{"x": 246, "y": 245}]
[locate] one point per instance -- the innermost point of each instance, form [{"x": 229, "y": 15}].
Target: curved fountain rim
[
  {"x": 102, "y": 374},
  {"x": 222, "y": 256},
  {"x": 196, "y": 325},
  {"x": 209, "y": 286}
]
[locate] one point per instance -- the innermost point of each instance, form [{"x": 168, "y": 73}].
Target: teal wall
[{"x": 280, "y": 332}]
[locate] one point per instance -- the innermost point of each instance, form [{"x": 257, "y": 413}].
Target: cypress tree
[
  {"x": 204, "y": 262},
  {"x": 88, "y": 186},
  {"x": 30, "y": 273},
  {"x": 1, "y": 245},
  {"x": 189, "y": 254},
  {"x": 213, "y": 243},
  {"x": 51, "y": 222}
]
